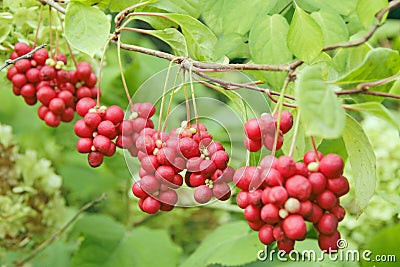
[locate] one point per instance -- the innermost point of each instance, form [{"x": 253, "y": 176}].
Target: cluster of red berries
[
  {"x": 164, "y": 156},
  {"x": 280, "y": 195},
  {"x": 97, "y": 130},
  {"x": 262, "y": 131},
  {"x": 139, "y": 119},
  {"x": 45, "y": 79}
]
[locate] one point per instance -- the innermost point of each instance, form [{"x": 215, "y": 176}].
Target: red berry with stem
[
  {"x": 40, "y": 56},
  {"x": 47, "y": 73},
  {"x": 286, "y": 121},
  {"x": 286, "y": 166},
  {"x": 252, "y": 145},
  {"x": 102, "y": 143},
  {"x": 188, "y": 147},
  {"x": 311, "y": 156},
  {"x": 84, "y": 145},
  {"x": 92, "y": 120}
]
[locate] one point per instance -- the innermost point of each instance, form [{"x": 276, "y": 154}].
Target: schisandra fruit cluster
[
  {"x": 46, "y": 80},
  {"x": 279, "y": 196},
  {"x": 166, "y": 157}
]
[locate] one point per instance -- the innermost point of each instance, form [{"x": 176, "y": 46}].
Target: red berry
[
  {"x": 286, "y": 166},
  {"x": 83, "y": 71},
  {"x": 243, "y": 199},
  {"x": 265, "y": 234},
  {"x": 196, "y": 179},
  {"x": 301, "y": 169},
  {"x": 52, "y": 119},
  {"x": 23, "y": 65},
  {"x": 149, "y": 163},
  {"x": 203, "y": 194},
  {"x": 169, "y": 197},
  {"x": 84, "y": 104},
  {"x": 32, "y": 75},
  {"x": 272, "y": 177},
  {"x": 91, "y": 81},
  {"x": 21, "y": 48},
  {"x": 145, "y": 110},
  {"x": 61, "y": 57},
  {"x": 42, "y": 111},
  {"x": 316, "y": 214},
  {"x": 252, "y": 129},
  {"x": 166, "y": 156},
  {"x": 318, "y": 182},
  {"x": 252, "y": 145},
  {"x": 19, "y": 80},
  {"x": 294, "y": 227},
  {"x": 47, "y": 73},
  {"x": 306, "y": 208},
  {"x": 256, "y": 225},
  {"x": 339, "y": 186},
  {"x": 299, "y": 187},
  {"x": 138, "y": 191},
  {"x": 252, "y": 213},
  {"x": 82, "y": 130},
  {"x": 328, "y": 243},
  {"x": 221, "y": 191},
  {"x": 286, "y": 245},
  {"x": 151, "y": 205},
  {"x": 220, "y": 158},
  {"x": 328, "y": 224},
  {"x": 277, "y": 195},
  {"x": 165, "y": 173},
  {"x": 270, "y": 214},
  {"x": 286, "y": 121},
  {"x": 145, "y": 144},
  {"x": 40, "y": 56},
  {"x": 67, "y": 97},
  {"x": 254, "y": 197},
  {"x": 92, "y": 120},
  {"x": 327, "y": 200},
  {"x": 83, "y": 92},
  {"x": 68, "y": 114},
  {"x": 102, "y": 143},
  {"x": 207, "y": 168},
  {"x": 193, "y": 164},
  {"x": 149, "y": 184},
  {"x": 269, "y": 162},
  {"x": 11, "y": 72},
  {"x": 111, "y": 150},
  {"x": 84, "y": 145},
  {"x": 114, "y": 114},
  {"x": 45, "y": 94},
  {"x": 331, "y": 166},
  {"x": 339, "y": 212},
  {"x": 107, "y": 129},
  {"x": 244, "y": 177},
  {"x": 310, "y": 156},
  {"x": 95, "y": 158},
  {"x": 57, "y": 105},
  {"x": 188, "y": 147},
  {"x": 28, "y": 90}
]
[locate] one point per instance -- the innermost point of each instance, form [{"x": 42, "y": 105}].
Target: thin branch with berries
[{"x": 9, "y": 62}]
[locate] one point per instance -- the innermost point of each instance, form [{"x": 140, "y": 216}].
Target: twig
[
  {"x": 57, "y": 234},
  {"x": 9, "y": 62},
  {"x": 54, "y": 5},
  {"x": 367, "y": 92}
]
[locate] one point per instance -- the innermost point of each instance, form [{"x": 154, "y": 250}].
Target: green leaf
[
  {"x": 347, "y": 59},
  {"x": 362, "y": 160},
  {"x": 57, "y": 254},
  {"x": 395, "y": 88},
  {"x": 343, "y": 7},
  {"x": 267, "y": 42},
  {"x": 232, "y": 45},
  {"x": 118, "y": 5},
  {"x": 200, "y": 39},
  {"x": 379, "y": 64},
  {"x": 377, "y": 109},
  {"x": 384, "y": 243},
  {"x": 305, "y": 38},
  {"x": 109, "y": 244},
  {"x": 218, "y": 14},
  {"x": 103, "y": 4},
  {"x": 188, "y": 7},
  {"x": 173, "y": 38},
  {"x": 320, "y": 110},
  {"x": 231, "y": 244},
  {"x": 86, "y": 28},
  {"x": 367, "y": 9},
  {"x": 333, "y": 26}
]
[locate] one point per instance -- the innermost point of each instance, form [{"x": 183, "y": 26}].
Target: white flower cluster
[
  {"x": 31, "y": 203},
  {"x": 384, "y": 207}
]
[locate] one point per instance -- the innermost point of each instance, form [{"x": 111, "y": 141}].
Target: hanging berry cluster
[
  {"x": 280, "y": 195},
  {"x": 189, "y": 149},
  {"x": 46, "y": 80}
]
